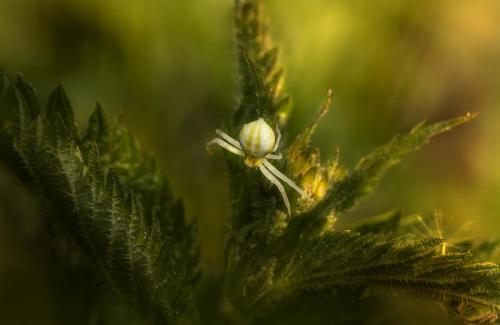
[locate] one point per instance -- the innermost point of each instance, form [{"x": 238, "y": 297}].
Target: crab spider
[{"x": 257, "y": 144}]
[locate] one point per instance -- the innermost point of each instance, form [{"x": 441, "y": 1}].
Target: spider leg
[
  {"x": 278, "y": 140},
  {"x": 277, "y": 183},
  {"x": 280, "y": 175},
  {"x": 226, "y": 146},
  {"x": 275, "y": 157},
  {"x": 229, "y": 139}
]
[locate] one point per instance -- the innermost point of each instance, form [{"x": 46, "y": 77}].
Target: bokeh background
[{"x": 169, "y": 68}]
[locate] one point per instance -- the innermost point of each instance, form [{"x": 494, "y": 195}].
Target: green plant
[{"x": 114, "y": 205}]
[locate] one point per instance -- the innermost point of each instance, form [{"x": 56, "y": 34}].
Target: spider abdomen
[{"x": 257, "y": 138}]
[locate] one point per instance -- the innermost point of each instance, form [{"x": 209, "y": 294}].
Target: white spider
[{"x": 257, "y": 144}]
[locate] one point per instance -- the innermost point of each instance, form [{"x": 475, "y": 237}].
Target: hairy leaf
[
  {"x": 349, "y": 259},
  {"x": 105, "y": 196},
  {"x": 363, "y": 179},
  {"x": 261, "y": 77},
  {"x": 272, "y": 257}
]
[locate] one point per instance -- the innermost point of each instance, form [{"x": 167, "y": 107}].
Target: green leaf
[
  {"x": 28, "y": 96},
  {"x": 300, "y": 156},
  {"x": 59, "y": 104},
  {"x": 20, "y": 128},
  {"x": 3, "y": 104},
  {"x": 4, "y": 81},
  {"x": 97, "y": 129},
  {"x": 387, "y": 222},
  {"x": 349, "y": 259},
  {"x": 107, "y": 198},
  {"x": 272, "y": 258},
  {"x": 487, "y": 250},
  {"x": 366, "y": 175},
  {"x": 261, "y": 77}
]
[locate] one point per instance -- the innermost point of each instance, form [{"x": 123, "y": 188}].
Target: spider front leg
[
  {"x": 229, "y": 139},
  {"x": 226, "y": 146}
]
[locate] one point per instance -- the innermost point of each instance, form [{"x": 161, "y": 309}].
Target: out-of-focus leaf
[
  {"x": 261, "y": 76},
  {"x": 366, "y": 175},
  {"x": 107, "y": 198}
]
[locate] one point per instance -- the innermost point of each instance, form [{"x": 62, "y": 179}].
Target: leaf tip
[
  {"x": 59, "y": 104},
  {"x": 469, "y": 116},
  {"x": 4, "y": 81},
  {"x": 28, "y": 96}
]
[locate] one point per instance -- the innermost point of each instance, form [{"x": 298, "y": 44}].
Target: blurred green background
[{"x": 169, "y": 67}]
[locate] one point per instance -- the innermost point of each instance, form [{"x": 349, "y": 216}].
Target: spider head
[
  {"x": 251, "y": 161},
  {"x": 257, "y": 139}
]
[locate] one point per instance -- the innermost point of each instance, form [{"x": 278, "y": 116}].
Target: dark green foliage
[
  {"x": 274, "y": 260},
  {"x": 261, "y": 77},
  {"x": 488, "y": 250},
  {"x": 109, "y": 199},
  {"x": 384, "y": 223},
  {"x": 365, "y": 176},
  {"x": 3, "y": 81}
]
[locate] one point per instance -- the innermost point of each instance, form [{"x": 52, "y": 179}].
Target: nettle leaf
[
  {"x": 384, "y": 223},
  {"x": 105, "y": 196},
  {"x": 489, "y": 249},
  {"x": 4, "y": 81},
  {"x": 28, "y": 97},
  {"x": 361, "y": 181},
  {"x": 111, "y": 200},
  {"x": 304, "y": 163},
  {"x": 261, "y": 76},
  {"x": 98, "y": 131},
  {"x": 349, "y": 259},
  {"x": 273, "y": 258},
  {"x": 262, "y": 95}
]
